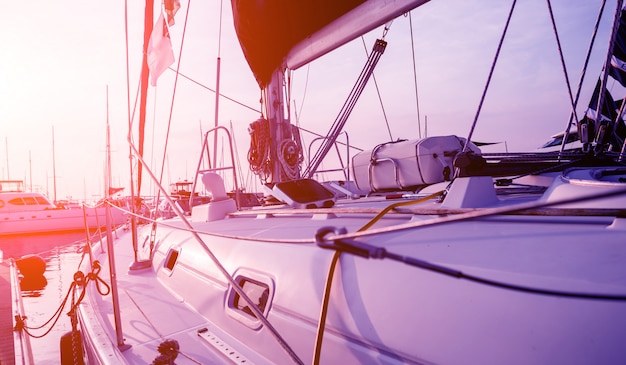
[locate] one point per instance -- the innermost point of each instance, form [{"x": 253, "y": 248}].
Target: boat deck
[{"x": 140, "y": 303}]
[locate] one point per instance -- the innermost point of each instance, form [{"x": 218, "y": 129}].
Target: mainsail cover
[
  {"x": 267, "y": 30},
  {"x": 290, "y": 33}
]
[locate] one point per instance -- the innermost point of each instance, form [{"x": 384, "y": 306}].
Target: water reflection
[
  {"x": 33, "y": 286},
  {"x": 61, "y": 253}
]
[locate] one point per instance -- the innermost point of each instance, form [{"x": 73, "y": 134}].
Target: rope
[
  {"x": 79, "y": 281},
  {"x": 259, "y": 158},
  {"x": 369, "y": 251},
  {"x": 333, "y": 264},
  {"x": 290, "y": 158}
]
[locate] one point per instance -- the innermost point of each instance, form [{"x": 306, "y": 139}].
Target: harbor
[{"x": 61, "y": 252}]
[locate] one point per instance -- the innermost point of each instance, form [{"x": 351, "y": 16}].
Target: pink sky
[{"x": 60, "y": 57}]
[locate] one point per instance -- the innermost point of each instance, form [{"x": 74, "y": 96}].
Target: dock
[{"x": 7, "y": 349}]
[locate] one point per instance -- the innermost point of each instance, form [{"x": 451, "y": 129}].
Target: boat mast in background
[
  {"x": 6, "y": 144},
  {"x": 54, "y": 170},
  {"x": 217, "y": 86}
]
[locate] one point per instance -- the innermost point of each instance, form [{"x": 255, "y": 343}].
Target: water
[{"x": 62, "y": 253}]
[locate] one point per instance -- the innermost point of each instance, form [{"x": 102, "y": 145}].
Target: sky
[{"x": 63, "y": 75}]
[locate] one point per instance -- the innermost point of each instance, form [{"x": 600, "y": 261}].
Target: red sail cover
[{"x": 268, "y": 29}]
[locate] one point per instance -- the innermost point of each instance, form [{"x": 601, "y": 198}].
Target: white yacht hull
[
  {"x": 57, "y": 220},
  {"x": 380, "y": 310}
]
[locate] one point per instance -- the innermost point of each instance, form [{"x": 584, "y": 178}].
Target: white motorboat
[
  {"x": 23, "y": 212},
  {"x": 433, "y": 253}
]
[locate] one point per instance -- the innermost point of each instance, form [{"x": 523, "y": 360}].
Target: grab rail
[{"x": 205, "y": 148}]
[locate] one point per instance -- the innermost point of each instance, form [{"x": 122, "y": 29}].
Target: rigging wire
[
  {"x": 493, "y": 66},
  {"x": 213, "y": 90},
  {"x": 462, "y": 216},
  {"x": 377, "y": 51},
  {"x": 560, "y": 49},
  {"x": 582, "y": 77},
  {"x": 218, "y": 264},
  {"x": 380, "y": 98},
  {"x": 482, "y": 213},
  {"x": 417, "y": 99},
  {"x": 306, "y": 87},
  {"x": 169, "y": 121},
  {"x": 343, "y": 242},
  {"x": 600, "y": 128},
  {"x": 220, "y": 267}
]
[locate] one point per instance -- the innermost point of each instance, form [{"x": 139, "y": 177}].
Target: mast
[
  {"x": 217, "y": 87},
  {"x": 298, "y": 35},
  {"x": 6, "y": 144},
  {"x": 54, "y": 170},
  {"x": 284, "y": 151},
  {"x": 108, "y": 182},
  {"x": 30, "y": 171},
  {"x": 145, "y": 73}
]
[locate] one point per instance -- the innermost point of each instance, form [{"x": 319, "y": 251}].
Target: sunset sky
[{"x": 59, "y": 58}]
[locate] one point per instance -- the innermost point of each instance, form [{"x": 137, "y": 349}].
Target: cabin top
[{"x": 11, "y": 186}]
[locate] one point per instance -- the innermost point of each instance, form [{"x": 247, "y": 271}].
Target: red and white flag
[{"x": 160, "y": 53}]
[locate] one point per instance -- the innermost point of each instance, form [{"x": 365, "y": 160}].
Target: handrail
[
  {"x": 344, "y": 168},
  {"x": 205, "y": 147}
]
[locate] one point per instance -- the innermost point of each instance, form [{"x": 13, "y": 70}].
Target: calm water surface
[{"x": 62, "y": 253}]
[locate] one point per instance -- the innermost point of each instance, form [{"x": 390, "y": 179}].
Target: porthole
[
  {"x": 171, "y": 259},
  {"x": 255, "y": 290},
  {"x": 259, "y": 288}
]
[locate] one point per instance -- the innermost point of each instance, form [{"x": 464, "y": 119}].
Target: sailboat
[{"x": 430, "y": 253}]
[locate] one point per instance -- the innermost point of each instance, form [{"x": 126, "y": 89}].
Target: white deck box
[{"x": 407, "y": 164}]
